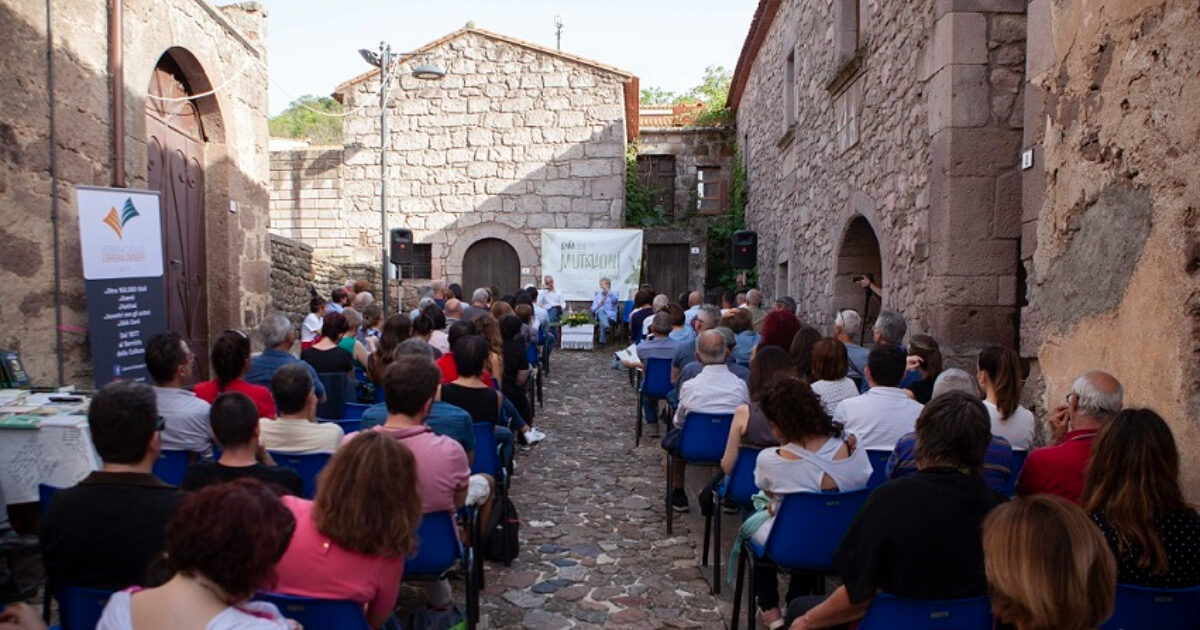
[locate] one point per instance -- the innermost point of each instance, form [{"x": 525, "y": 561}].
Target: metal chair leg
[
  {"x": 753, "y": 564},
  {"x": 637, "y": 423},
  {"x": 707, "y": 534},
  {"x": 670, "y": 510},
  {"x": 738, "y": 587},
  {"x": 716, "y": 514}
]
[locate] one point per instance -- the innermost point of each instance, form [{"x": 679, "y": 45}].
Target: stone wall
[
  {"x": 306, "y": 195},
  {"x": 513, "y": 139},
  {"x": 37, "y": 177},
  {"x": 1110, "y": 205},
  {"x": 914, "y": 134}
]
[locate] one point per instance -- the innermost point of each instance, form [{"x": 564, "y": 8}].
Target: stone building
[
  {"x": 62, "y": 77},
  {"x": 1015, "y": 173},
  {"x": 516, "y": 137}
]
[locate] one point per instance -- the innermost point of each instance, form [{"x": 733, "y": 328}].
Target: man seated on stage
[
  {"x": 169, "y": 361},
  {"x": 103, "y": 532},
  {"x": 297, "y": 430},
  {"x": 235, "y": 425}
]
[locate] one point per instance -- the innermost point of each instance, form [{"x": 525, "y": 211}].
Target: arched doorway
[
  {"x": 175, "y": 161},
  {"x": 491, "y": 261},
  {"x": 858, "y": 255}
]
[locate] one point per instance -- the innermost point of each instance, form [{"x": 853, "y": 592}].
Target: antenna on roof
[{"x": 558, "y": 27}]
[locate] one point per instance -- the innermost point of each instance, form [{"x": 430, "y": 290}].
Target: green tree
[
  {"x": 300, "y": 122},
  {"x": 657, "y": 96},
  {"x": 712, "y": 91}
]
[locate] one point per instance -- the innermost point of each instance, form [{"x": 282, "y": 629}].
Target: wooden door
[
  {"x": 491, "y": 261},
  {"x": 175, "y": 167},
  {"x": 667, "y": 269}
]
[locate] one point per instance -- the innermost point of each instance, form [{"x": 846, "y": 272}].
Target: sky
[{"x": 313, "y": 44}]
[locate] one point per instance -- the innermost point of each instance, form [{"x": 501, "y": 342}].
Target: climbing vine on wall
[
  {"x": 641, "y": 210},
  {"x": 720, "y": 232}
]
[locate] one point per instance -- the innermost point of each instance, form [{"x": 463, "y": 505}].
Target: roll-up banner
[
  {"x": 578, "y": 259},
  {"x": 120, "y": 235}
]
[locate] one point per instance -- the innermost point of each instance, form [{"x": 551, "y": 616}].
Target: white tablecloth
[
  {"x": 57, "y": 455},
  {"x": 577, "y": 337}
]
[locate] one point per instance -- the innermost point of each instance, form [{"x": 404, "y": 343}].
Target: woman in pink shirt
[{"x": 351, "y": 540}]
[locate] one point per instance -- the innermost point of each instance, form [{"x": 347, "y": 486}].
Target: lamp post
[{"x": 425, "y": 72}]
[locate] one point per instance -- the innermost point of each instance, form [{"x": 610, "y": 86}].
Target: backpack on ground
[{"x": 500, "y": 534}]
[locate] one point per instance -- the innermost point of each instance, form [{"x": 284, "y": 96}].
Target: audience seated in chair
[
  {"x": 349, "y": 341},
  {"x": 741, "y": 323},
  {"x": 230, "y": 361},
  {"x": 1132, "y": 493},
  {"x": 707, "y": 317},
  {"x": 222, "y": 545},
  {"x": 801, "y": 351},
  {"x": 1048, "y": 566},
  {"x": 278, "y": 337},
  {"x": 1095, "y": 399},
  {"x": 829, "y": 371},
  {"x": 396, "y": 330},
  {"x": 997, "y": 471},
  {"x": 846, "y": 328},
  {"x": 351, "y": 540},
  {"x": 103, "y": 532},
  {"x": 816, "y": 457},
  {"x": 690, "y": 370},
  {"x": 1000, "y": 379},
  {"x": 170, "y": 361},
  {"x": 234, "y": 420},
  {"x": 715, "y": 390},
  {"x": 750, "y": 426},
  {"x": 658, "y": 345},
  {"x": 919, "y": 536},
  {"x": 516, "y": 365},
  {"x": 326, "y": 356},
  {"x": 310, "y": 329},
  {"x": 296, "y": 430},
  {"x": 884, "y": 413}
]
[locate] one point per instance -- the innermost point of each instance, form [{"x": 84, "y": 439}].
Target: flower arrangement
[{"x": 576, "y": 318}]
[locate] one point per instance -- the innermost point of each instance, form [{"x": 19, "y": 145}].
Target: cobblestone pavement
[{"x": 594, "y": 549}]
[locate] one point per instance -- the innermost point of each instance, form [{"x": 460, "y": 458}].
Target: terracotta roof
[
  {"x": 677, "y": 115},
  {"x": 764, "y": 15},
  {"x": 624, "y": 74}
]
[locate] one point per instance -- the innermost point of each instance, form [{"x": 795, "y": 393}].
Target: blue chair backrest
[
  {"x": 311, "y": 612},
  {"x": 1014, "y": 467},
  {"x": 348, "y": 426},
  {"x": 1141, "y": 608},
  {"x": 352, "y": 411},
  {"x": 531, "y": 353},
  {"x": 740, "y": 485},
  {"x": 626, "y": 309},
  {"x": 339, "y": 390},
  {"x": 879, "y": 460},
  {"x": 438, "y": 547},
  {"x": 810, "y": 525},
  {"x": 45, "y": 494},
  {"x": 80, "y": 608},
  {"x": 487, "y": 459},
  {"x": 307, "y": 465},
  {"x": 888, "y": 612},
  {"x": 657, "y": 382},
  {"x": 171, "y": 465},
  {"x": 703, "y": 437}
]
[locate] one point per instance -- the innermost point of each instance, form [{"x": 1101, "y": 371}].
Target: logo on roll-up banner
[{"x": 117, "y": 221}]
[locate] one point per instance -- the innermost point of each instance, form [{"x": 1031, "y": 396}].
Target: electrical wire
[{"x": 190, "y": 97}]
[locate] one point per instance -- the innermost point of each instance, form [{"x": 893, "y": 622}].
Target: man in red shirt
[{"x": 1095, "y": 399}]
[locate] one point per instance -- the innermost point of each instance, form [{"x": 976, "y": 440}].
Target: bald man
[{"x": 1095, "y": 399}]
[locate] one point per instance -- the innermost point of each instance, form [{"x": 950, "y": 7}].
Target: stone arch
[
  {"x": 858, "y": 253},
  {"x": 461, "y": 240}
]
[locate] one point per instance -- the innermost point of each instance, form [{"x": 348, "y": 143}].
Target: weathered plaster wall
[
  {"x": 1112, "y": 202},
  {"x": 236, "y": 168}
]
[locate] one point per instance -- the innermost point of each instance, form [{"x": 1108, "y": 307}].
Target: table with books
[{"x": 43, "y": 441}]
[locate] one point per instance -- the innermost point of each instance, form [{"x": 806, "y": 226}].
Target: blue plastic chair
[
  {"x": 888, "y": 612},
  {"x": 45, "y": 494},
  {"x": 307, "y": 465},
  {"x": 879, "y": 460},
  {"x": 438, "y": 551},
  {"x": 339, "y": 390},
  {"x": 311, "y": 612},
  {"x": 80, "y": 608},
  {"x": 1014, "y": 466},
  {"x": 656, "y": 384},
  {"x": 171, "y": 465},
  {"x": 808, "y": 528},
  {"x": 737, "y": 487},
  {"x": 1141, "y": 608},
  {"x": 701, "y": 443},
  {"x": 349, "y": 426},
  {"x": 352, "y": 411}
]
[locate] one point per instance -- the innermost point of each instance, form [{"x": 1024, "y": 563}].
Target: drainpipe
[
  {"x": 116, "y": 76},
  {"x": 54, "y": 221}
]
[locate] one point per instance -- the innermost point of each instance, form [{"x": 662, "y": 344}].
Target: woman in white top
[
  {"x": 223, "y": 544},
  {"x": 310, "y": 331},
  {"x": 829, "y": 366},
  {"x": 1000, "y": 379},
  {"x": 815, "y": 457}
]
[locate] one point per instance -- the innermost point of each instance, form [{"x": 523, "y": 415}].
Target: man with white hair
[
  {"x": 707, "y": 317},
  {"x": 846, "y": 327},
  {"x": 278, "y": 335},
  {"x": 659, "y": 303},
  {"x": 1095, "y": 399},
  {"x": 551, "y": 300},
  {"x": 479, "y": 305},
  {"x": 453, "y": 311},
  {"x": 440, "y": 293},
  {"x": 757, "y": 312},
  {"x": 421, "y": 304},
  {"x": 714, "y": 390}
]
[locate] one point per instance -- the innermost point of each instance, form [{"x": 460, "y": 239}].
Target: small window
[
  {"x": 710, "y": 190},
  {"x": 789, "y": 90},
  {"x": 421, "y": 266}
]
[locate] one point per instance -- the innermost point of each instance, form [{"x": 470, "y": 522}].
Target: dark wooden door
[
  {"x": 491, "y": 261},
  {"x": 175, "y": 167},
  {"x": 667, "y": 269}
]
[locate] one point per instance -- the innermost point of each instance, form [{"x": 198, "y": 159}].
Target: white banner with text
[{"x": 578, "y": 259}]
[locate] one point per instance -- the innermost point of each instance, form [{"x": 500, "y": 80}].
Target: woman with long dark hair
[
  {"x": 1000, "y": 379},
  {"x": 801, "y": 350},
  {"x": 396, "y": 329},
  {"x": 925, "y": 356},
  {"x": 1131, "y": 490},
  {"x": 230, "y": 360},
  {"x": 750, "y": 427}
]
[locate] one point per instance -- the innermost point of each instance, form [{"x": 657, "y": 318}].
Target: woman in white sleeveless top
[
  {"x": 815, "y": 457},
  {"x": 1000, "y": 379}
]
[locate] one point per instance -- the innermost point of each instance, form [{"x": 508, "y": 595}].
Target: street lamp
[{"x": 425, "y": 72}]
